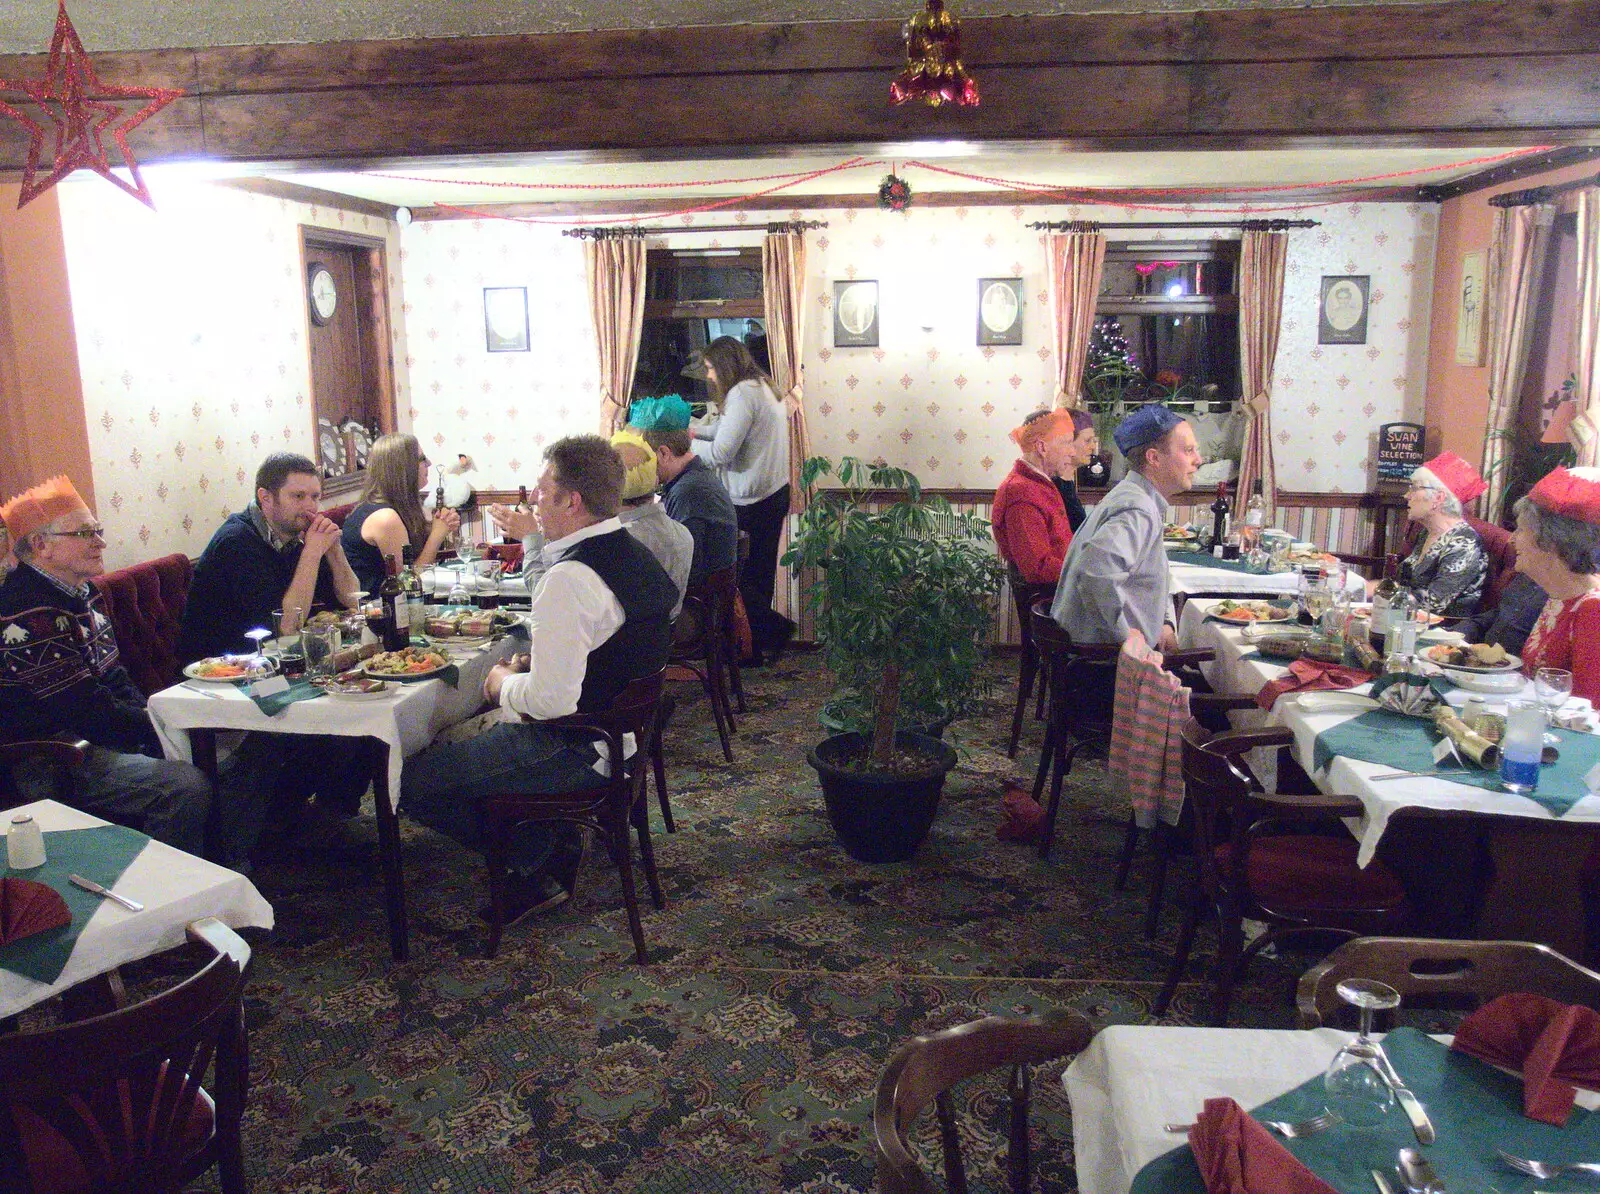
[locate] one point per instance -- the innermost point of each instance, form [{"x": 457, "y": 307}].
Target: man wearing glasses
[{"x": 60, "y": 678}]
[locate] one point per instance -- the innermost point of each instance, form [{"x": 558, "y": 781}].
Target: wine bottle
[
  {"x": 1255, "y": 518},
  {"x": 395, "y": 627},
  {"x": 412, "y": 584},
  {"x": 1220, "y": 509}
]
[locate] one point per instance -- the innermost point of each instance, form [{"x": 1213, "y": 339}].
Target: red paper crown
[
  {"x": 1456, "y": 475},
  {"x": 1574, "y": 493}
]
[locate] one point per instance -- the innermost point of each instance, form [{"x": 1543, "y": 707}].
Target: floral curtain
[
  {"x": 1261, "y": 269},
  {"x": 1586, "y": 427},
  {"x": 1518, "y": 251},
  {"x": 1076, "y": 260},
  {"x": 615, "y": 267},
  {"x": 783, "y": 274}
]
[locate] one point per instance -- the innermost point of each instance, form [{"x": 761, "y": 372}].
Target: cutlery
[
  {"x": 91, "y": 885},
  {"x": 1381, "y": 1180},
  {"x": 1417, "y": 1174},
  {"x": 205, "y": 692},
  {"x": 1304, "y": 1127},
  {"x": 1543, "y": 1171},
  {"x": 1409, "y": 1103},
  {"x": 1414, "y": 774}
]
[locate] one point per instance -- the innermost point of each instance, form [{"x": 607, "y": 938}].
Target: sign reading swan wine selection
[{"x": 1399, "y": 449}]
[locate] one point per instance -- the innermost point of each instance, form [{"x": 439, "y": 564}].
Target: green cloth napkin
[
  {"x": 100, "y": 854},
  {"x": 300, "y": 689},
  {"x": 1474, "y": 1107},
  {"x": 1406, "y": 744},
  {"x": 1201, "y": 559}
]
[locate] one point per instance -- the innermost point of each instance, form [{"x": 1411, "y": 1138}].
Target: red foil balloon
[{"x": 934, "y": 73}]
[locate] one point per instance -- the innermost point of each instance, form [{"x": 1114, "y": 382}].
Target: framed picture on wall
[
  {"x": 855, "y": 314},
  {"x": 505, "y": 318},
  {"x": 1342, "y": 315},
  {"x": 999, "y": 310},
  {"x": 1469, "y": 310}
]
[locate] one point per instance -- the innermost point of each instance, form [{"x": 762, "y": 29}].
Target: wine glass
[
  {"x": 1318, "y": 598},
  {"x": 1357, "y": 1091},
  {"x": 1552, "y": 685}
]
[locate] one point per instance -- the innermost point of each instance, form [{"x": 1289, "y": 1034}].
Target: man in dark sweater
[
  {"x": 695, "y": 496},
  {"x": 601, "y": 618},
  {"x": 60, "y": 677}
]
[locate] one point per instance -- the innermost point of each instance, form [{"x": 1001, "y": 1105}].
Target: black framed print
[
  {"x": 855, "y": 314},
  {"x": 505, "y": 318},
  {"x": 1342, "y": 317},
  {"x": 999, "y": 311}
]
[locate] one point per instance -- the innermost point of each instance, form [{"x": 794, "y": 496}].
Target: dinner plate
[
  {"x": 261, "y": 673},
  {"x": 1252, "y": 621},
  {"x": 357, "y": 694},
  {"x": 406, "y": 678},
  {"x": 1490, "y": 683},
  {"x": 1512, "y": 663}
]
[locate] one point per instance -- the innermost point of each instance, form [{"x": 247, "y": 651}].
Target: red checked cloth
[
  {"x": 1236, "y": 1155},
  {"x": 1307, "y": 675},
  {"x": 1147, "y": 733},
  {"x": 1546, "y": 1040}
]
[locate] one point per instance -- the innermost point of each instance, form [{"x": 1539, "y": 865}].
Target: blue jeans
[{"x": 444, "y": 786}]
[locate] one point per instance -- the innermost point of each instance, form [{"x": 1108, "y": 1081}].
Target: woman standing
[
  {"x": 749, "y": 447},
  {"x": 389, "y": 516},
  {"x": 1558, "y": 545},
  {"x": 1447, "y": 569}
]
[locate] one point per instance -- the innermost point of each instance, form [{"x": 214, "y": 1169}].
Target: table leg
[
  {"x": 394, "y": 881},
  {"x": 1534, "y": 858},
  {"x": 203, "y": 750}
]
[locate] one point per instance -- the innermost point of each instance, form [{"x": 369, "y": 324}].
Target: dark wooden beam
[{"x": 1555, "y": 159}]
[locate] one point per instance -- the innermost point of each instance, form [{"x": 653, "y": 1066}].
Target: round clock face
[{"x": 324, "y": 294}]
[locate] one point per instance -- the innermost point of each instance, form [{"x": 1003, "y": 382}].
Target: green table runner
[
  {"x": 1406, "y": 744},
  {"x": 1475, "y": 1108},
  {"x": 100, "y": 854},
  {"x": 1201, "y": 560},
  {"x": 300, "y": 689}
]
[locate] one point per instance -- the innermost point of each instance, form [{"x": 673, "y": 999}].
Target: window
[{"x": 693, "y": 296}]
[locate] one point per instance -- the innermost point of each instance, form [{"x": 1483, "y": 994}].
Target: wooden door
[{"x": 351, "y": 375}]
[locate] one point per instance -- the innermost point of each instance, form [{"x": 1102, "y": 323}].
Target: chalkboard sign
[{"x": 1399, "y": 449}]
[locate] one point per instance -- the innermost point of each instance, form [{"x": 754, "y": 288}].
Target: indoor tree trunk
[{"x": 884, "y": 717}]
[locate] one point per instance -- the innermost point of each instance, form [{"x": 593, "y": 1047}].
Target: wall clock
[{"x": 323, "y": 294}]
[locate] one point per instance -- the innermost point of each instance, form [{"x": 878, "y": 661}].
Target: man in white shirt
[{"x": 601, "y": 617}]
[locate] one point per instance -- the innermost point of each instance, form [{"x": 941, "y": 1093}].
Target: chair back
[
  {"x": 145, "y": 604},
  {"x": 1082, "y": 675},
  {"x": 1464, "y": 973},
  {"x": 707, "y": 604},
  {"x": 635, "y": 710},
  {"x": 1026, "y": 595},
  {"x": 924, "y": 1069},
  {"x": 1215, "y": 788},
  {"x": 1501, "y": 549},
  {"x": 114, "y": 1103}
]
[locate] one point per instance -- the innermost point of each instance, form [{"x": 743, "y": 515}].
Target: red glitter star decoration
[{"x": 79, "y": 123}]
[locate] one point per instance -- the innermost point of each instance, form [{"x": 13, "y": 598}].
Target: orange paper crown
[
  {"x": 1029, "y": 436},
  {"x": 36, "y": 508}
]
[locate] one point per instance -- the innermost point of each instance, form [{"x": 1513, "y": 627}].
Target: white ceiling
[{"x": 25, "y": 25}]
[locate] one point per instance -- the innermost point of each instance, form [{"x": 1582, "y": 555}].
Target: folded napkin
[
  {"x": 1236, "y": 1155},
  {"x": 27, "y": 908},
  {"x": 1024, "y": 815},
  {"x": 1546, "y": 1040},
  {"x": 300, "y": 689},
  {"x": 1309, "y": 675}
]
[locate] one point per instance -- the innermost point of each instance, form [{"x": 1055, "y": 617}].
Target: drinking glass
[
  {"x": 1521, "y": 746},
  {"x": 1318, "y": 598},
  {"x": 321, "y": 644},
  {"x": 286, "y": 647},
  {"x": 1552, "y": 685},
  {"x": 1357, "y": 1091}
]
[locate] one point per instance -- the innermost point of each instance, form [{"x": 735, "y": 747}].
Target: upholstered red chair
[
  {"x": 1502, "y": 552},
  {"x": 145, "y": 605},
  {"x": 509, "y": 554},
  {"x": 339, "y": 513}
]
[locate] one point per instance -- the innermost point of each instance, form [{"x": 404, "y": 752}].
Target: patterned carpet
[{"x": 744, "y": 1058}]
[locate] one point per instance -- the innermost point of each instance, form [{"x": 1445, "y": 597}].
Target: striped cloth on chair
[{"x": 1146, "y": 739}]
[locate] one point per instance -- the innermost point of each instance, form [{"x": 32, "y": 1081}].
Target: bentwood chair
[
  {"x": 114, "y": 1103},
  {"x": 701, "y": 639},
  {"x": 1026, "y": 596},
  {"x": 608, "y": 809},
  {"x": 1436, "y": 972},
  {"x": 925, "y": 1069},
  {"x": 1258, "y": 856}
]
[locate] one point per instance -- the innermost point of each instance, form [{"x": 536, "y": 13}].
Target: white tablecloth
[
  {"x": 405, "y": 716},
  {"x": 1347, "y": 777},
  {"x": 175, "y": 889},
  {"x": 1197, "y": 578}
]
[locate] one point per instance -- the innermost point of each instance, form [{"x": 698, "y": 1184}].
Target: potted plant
[{"x": 903, "y": 603}]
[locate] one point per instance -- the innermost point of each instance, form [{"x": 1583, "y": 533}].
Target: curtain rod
[
  {"x": 1097, "y": 225},
  {"x": 1542, "y": 194},
  {"x": 639, "y": 230}
]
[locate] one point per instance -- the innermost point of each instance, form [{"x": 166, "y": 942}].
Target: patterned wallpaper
[{"x": 191, "y": 341}]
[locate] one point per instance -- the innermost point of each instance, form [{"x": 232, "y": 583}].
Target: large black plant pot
[{"x": 880, "y": 818}]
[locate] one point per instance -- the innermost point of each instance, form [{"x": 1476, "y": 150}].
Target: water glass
[
  {"x": 1553, "y": 686},
  {"x": 285, "y": 647},
  {"x": 1357, "y": 1091},
  {"x": 321, "y": 644},
  {"x": 1522, "y": 746}
]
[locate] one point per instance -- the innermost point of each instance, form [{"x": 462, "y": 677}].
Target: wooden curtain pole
[
  {"x": 1247, "y": 225},
  {"x": 1542, "y": 194},
  {"x": 640, "y": 230}
]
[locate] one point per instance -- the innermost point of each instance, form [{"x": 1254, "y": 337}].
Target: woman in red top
[
  {"x": 1029, "y": 518},
  {"x": 1558, "y": 546}
]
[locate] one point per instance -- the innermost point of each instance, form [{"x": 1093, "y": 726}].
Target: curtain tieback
[
  {"x": 1260, "y": 403},
  {"x": 792, "y": 401},
  {"x": 1069, "y": 399}
]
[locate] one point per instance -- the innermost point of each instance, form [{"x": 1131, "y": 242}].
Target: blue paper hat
[
  {"x": 670, "y": 413},
  {"x": 1144, "y": 426}
]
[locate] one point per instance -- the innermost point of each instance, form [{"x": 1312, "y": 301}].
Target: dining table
[
  {"x": 1538, "y": 841},
  {"x": 1195, "y": 574},
  {"x": 176, "y": 888},
  {"x": 393, "y": 723}
]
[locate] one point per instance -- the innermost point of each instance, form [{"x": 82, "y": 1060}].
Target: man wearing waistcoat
[{"x": 601, "y": 618}]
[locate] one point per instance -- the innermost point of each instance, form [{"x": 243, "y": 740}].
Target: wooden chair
[
  {"x": 608, "y": 809},
  {"x": 705, "y": 621},
  {"x": 1026, "y": 596},
  {"x": 114, "y": 1103},
  {"x": 63, "y": 756},
  {"x": 1257, "y": 859},
  {"x": 924, "y": 1069},
  {"x": 1465, "y": 973}
]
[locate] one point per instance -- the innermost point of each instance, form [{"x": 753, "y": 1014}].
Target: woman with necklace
[{"x": 1447, "y": 569}]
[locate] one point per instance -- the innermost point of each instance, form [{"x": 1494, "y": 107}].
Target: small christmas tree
[{"x": 1109, "y": 349}]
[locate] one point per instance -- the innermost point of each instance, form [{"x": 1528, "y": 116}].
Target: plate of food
[
  {"x": 456, "y": 623},
  {"x": 352, "y": 684},
  {"x": 1363, "y": 609},
  {"x": 225, "y": 669},
  {"x": 1478, "y": 658},
  {"x": 1250, "y": 613},
  {"x": 1181, "y": 538},
  {"x": 348, "y": 620},
  {"x": 1488, "y": 683},
  {"x": 411, "y": 663}
]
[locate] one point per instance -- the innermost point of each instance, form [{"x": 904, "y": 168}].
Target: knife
[
  {"x": 91, "y": 885},
  {"x": 1417, "y": 1174},
  {"x": 1385, "y": 1186},
  {"x": 1409, "y": 1103}
]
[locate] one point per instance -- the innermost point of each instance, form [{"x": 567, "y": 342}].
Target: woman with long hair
[
  {"x": 749, "y": 448},
  {"x": 389, "y": 516}
]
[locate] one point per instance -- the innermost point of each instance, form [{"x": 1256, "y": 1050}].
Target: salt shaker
[{"x": 24, "y": 844}]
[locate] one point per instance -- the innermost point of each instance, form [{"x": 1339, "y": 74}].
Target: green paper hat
[{"x": 669, "y": 413}]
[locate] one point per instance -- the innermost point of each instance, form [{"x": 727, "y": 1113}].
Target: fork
[
  {"x": 1304, "y": 1127},
  {"x": 1543, "y": 1171}
]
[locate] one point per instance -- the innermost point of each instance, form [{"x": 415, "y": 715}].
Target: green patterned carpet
[{"x": 744, "y": 1059}]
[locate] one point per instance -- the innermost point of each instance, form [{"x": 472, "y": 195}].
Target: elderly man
[
  {"x": 1115, "y": 576},
  {"x": 644, "y": 515},
  {"x": 695, "y": 496},
  {"x": 601, "y": 618},
  {"x": 60, "y": 678}
]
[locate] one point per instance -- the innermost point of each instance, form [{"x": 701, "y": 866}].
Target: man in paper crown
[
  {"x": 691, "y": 491},
  {"x": 643, "y": 515},
  {"x": 60, "y": 677}
]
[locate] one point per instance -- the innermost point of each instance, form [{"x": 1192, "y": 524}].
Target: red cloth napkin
[
  {"x": 27, "y": 908},
  {"x": 1308, "y": 675},
  {"x": 1236, "y": 1155},
  {"x": 1024, "y": 815},
  {"x": 1547, "y": 1040}
]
